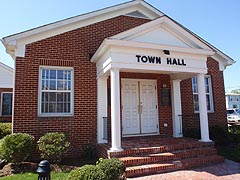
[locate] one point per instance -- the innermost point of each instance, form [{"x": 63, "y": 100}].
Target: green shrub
[
  {"x": 192, "y": 133},
  {"x": 112, "y": 168},
  {"x": 87, "y": 172},
  {"x": 16, "y": 147},
  {"x": 219, "y": 135},
  {"x": 5, "y": 129},
  {"x": 52, "y": 146}
]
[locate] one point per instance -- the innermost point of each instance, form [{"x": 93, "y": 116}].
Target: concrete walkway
[{"x": 228, "y": 170}]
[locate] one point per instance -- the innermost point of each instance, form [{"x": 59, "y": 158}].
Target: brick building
[
  {"x": 123, "y": 71},
  {"x": 6, "y": 89}
]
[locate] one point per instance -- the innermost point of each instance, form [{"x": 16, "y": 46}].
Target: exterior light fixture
[{"x": 166, "y": 52}]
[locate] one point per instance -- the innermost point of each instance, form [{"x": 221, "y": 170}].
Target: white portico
[{"x": 162, "y": 47}]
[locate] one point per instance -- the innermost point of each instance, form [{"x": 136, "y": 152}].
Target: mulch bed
[{"x": 66, "y": 166}]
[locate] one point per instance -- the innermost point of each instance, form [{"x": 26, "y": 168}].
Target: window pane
[
  {"x": 67, "y": 107},
  {"x": 60, "y": 74},
  {"x": 68, "y": 85},
  {"x": 65, "y": 75},
  {"x": 60, "y": 97},
  {"x": 207, "y": 81},
  {"x": 7, "y": 104},
  {"x": 44, "y": 73},
  {"x": 195, "y": 88},
  {"x": 52, "y": 107},
  {"x": 208, "y": 102},
  {"x": 52, "y": 74},
  {"x": 52, "y": 97},
  {"x": 194, "y": 85},
  {"x": 44, "y": 97},
  {"x": 69, "y": 74},
  {"x": 196, "y": 103},
  {"x": 67, "y": 97},
  {"x": 60, "y": 84},
  {"x": 59, "y": 107},
  {"x": 52, "y": 84},
  {"x": 207, "y": 88},
  {"x": 43, "y": 85}
]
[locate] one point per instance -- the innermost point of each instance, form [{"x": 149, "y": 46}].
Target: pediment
[
  {"x": 160, "y": 36},
  {"x": 162, "y": 31}
]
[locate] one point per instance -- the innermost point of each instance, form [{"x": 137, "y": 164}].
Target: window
[
  {"x": 56, "y": 91},
  {"x": 6, "y": 104},
  {"x": 208, "y": 91}
]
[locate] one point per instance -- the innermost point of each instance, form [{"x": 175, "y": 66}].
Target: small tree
[
  {"x": 16, "y": 147},
  {"x": 52, "y": 146},
  {"x": 236, "y": 91}
]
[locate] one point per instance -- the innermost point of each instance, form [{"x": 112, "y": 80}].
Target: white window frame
[
  {"x": 210, "y": 93},
  {"x": 1, "y": 103},
  {"x": 40, "y": 92}
]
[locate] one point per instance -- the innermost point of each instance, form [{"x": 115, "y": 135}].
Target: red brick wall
[
  {"x": 68, "y": 49},
  {"x": 73, "y": 49},
  {"x": 4, "y": 118},
  {"x": 218, "y": 117}
]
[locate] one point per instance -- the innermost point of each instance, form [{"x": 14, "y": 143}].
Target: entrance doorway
[{"x": 139, "y": 107}]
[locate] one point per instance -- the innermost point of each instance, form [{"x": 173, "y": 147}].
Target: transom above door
[{"x": 139, "y": 107}]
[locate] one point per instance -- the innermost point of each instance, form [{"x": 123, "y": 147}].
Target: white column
[
  {"x": 203, "y": 109},
  {"x": 101, "y": 107},
  {"x": 176, "y": 109},
  {"x": 115, "y": 110}
]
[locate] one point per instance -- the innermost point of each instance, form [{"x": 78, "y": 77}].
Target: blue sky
[{"x": 216, "y": 21}]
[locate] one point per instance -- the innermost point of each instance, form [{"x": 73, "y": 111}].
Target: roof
[{"x": 15, "y": 44}]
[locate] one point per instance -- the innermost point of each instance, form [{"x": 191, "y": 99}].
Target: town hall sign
[{"x": 158, "y": 60}]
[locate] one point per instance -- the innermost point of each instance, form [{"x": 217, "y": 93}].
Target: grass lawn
[{"x": 33, "y": 176}]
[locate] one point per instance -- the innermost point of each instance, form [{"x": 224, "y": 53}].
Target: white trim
[
  {"x": 141, "y": 135},
  {"x": 7, "y": 68},
  {"x": 1, "y": 103},
  {"x": 108, "y": 43},
  {"x": 40, "y": 97},
  {"x": 176, "y": 108},
  {"x": 102, "y": 106}
]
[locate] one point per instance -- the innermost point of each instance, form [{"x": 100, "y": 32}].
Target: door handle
[{"x": 141, "y": 108}]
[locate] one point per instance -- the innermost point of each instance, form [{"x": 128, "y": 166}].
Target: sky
[{"x": 216, "y": 21}]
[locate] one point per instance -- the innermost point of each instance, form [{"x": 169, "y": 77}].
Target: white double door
[{"x": 139, "y": 107}]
